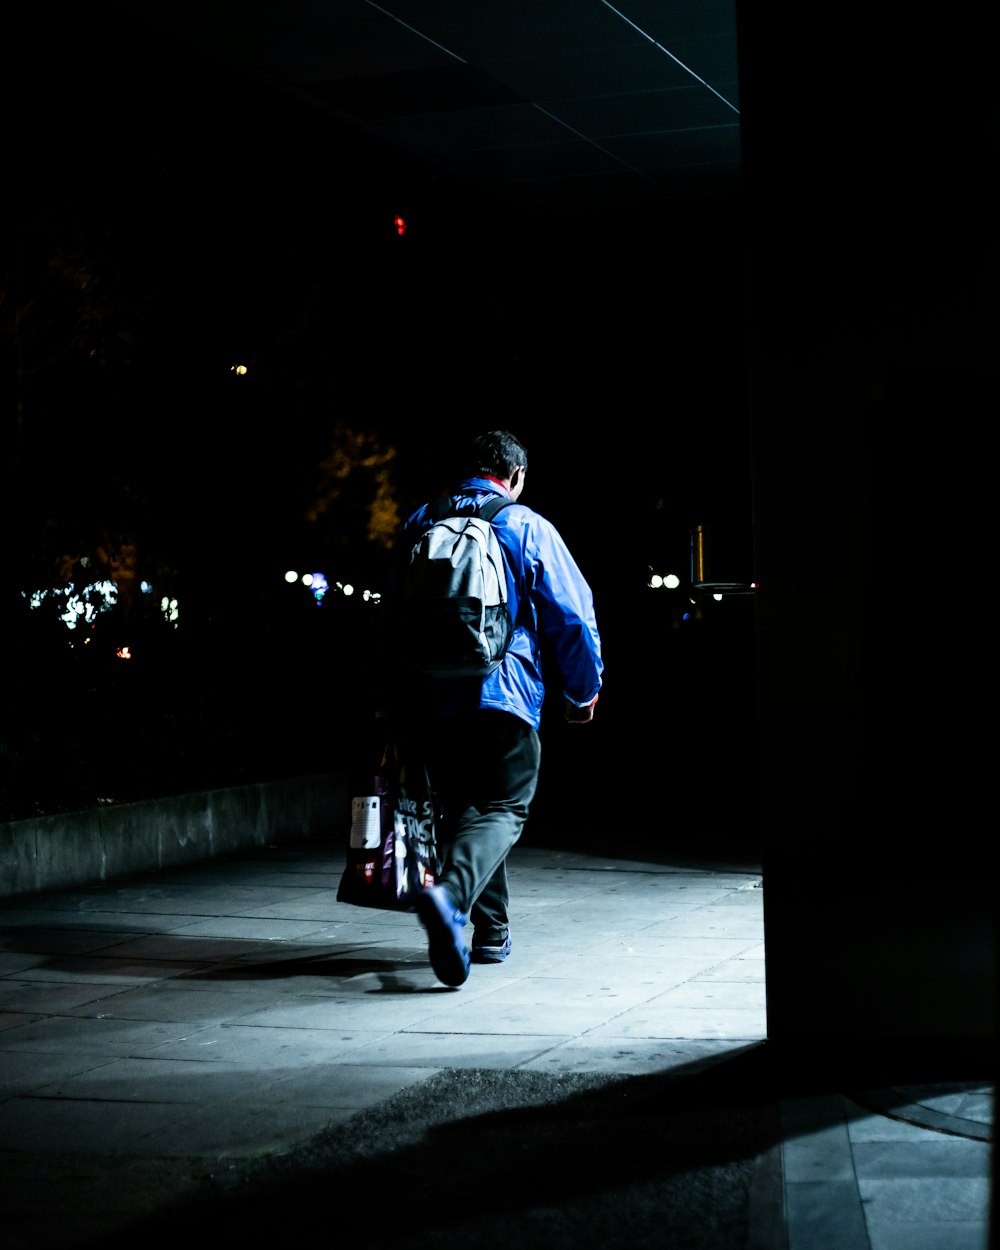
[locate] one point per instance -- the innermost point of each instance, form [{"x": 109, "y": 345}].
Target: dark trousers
[{"x": 484, "y": 768}]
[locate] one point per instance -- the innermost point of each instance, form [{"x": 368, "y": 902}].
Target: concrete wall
[{"x": 105, "y": 843}]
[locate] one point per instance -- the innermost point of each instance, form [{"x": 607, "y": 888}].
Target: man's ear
[{"x": 517, "y": 480}]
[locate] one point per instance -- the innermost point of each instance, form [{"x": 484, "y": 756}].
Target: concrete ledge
[{"x": 105, "y": 843}]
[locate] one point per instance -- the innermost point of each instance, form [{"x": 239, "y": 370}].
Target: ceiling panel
[{"x": 538, "y": 101}]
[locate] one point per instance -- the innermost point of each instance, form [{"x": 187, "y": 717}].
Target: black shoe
[
  {"x": 445, "y": 927},
  {"x": 491, "y": 950}
]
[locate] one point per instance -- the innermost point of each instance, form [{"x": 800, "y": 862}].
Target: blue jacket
[{"x": 548, "y": 598}]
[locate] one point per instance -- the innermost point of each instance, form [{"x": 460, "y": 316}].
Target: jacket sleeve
[{"x": 564, "y": 604}]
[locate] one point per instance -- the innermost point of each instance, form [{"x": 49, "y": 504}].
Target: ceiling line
[
  {"x": 666, "y": 51},
  {"x": 413, "y": 31},
  {"x": 593, "y": 143}
]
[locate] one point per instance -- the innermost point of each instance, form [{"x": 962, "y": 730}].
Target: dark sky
[{"x": 618, "y": 355}]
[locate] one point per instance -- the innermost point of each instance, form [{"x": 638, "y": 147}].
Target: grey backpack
[{"x": 455, "y": 620}]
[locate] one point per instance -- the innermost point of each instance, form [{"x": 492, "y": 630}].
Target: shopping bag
[{"x": 392, "y": 851}]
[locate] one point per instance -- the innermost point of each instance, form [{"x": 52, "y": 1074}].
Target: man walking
[{"x": 479, "y": 736}]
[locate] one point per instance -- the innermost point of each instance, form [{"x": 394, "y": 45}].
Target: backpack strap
[
  {"x": 491, "y": 507},
  {"x": 438, "y": 509},
  {"x": 488, "y": 511},
  {"x": 447, "y": 505}
]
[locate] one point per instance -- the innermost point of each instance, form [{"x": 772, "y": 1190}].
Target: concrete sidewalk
[{"x": 161, "y": 1031}]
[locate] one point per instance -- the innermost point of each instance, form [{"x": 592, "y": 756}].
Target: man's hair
[{"x": 497, "y": 453}]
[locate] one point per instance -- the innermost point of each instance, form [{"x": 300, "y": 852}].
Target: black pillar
[{"x": 870, "y": 152}]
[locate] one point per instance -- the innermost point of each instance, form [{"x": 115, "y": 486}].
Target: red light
[{"x": 400, "y": 225}]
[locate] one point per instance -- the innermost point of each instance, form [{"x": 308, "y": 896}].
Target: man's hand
[{"x": 579, "y": 715}]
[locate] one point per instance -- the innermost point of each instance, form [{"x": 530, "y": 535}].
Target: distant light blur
[{"x": 82, "y": 607}]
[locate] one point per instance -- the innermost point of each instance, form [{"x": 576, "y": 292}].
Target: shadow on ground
[
  {"x": 484, "y": 1158},
  {"x": 489, "y": 1158}
]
